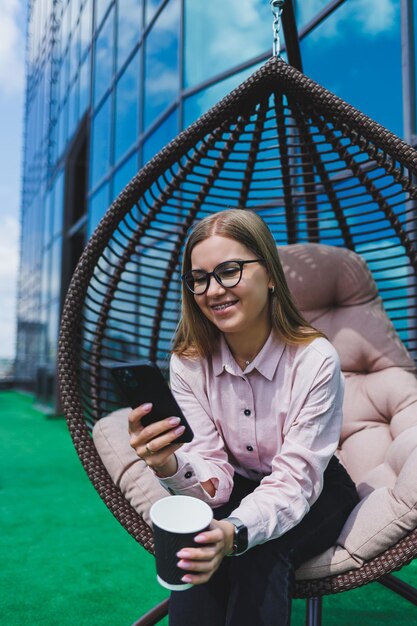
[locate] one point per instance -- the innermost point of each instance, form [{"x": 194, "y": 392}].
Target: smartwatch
[{"x": 240, "y": 538}]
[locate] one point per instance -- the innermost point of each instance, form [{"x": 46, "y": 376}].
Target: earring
[{"x": 272, "y": 290}]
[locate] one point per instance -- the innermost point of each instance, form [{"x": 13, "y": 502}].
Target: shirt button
[
  {"x": 188, "y": 474},
  {"x": 247, "y": 411},
  {"x": 249, "y": 448}
]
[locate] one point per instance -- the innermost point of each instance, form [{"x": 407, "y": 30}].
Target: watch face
[{"x": 240, "y": 543}]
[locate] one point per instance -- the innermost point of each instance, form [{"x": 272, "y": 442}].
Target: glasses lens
[
  {"x": 229, "y": 273},
  {"x": 196, "y": 281}
]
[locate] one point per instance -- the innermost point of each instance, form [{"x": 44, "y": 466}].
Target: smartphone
[{"x": 138, "y": 382}]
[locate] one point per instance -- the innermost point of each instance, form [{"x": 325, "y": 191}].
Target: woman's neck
[{"x": 245, "y": 349}]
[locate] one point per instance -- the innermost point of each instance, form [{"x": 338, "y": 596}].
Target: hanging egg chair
[{"x": 317, "y": 170}]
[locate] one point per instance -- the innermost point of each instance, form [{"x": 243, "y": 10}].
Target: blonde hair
[{"x": 196, "y": 335}]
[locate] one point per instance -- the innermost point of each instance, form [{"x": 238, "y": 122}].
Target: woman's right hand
[{"x": 155, "y": 444}]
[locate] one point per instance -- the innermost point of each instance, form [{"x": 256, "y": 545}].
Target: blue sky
[{"x": 12, "y": 59}]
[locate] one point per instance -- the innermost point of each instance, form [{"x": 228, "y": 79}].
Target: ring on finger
[{"x": 149, "y": 452}]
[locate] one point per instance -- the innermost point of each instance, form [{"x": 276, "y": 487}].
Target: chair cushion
[
  {"x": 133, "y": 477},
  {"x": 336, "y": 292}
]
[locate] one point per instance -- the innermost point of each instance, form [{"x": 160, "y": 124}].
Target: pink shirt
[{"x": 279, "y": 420}]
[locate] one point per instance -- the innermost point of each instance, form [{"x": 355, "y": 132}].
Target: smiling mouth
[{"x": 223, "y": 306}]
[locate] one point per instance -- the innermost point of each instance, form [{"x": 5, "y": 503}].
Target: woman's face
[{"x": 240, "y": 310}]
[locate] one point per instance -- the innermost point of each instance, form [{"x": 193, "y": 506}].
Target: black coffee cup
[{"x": 176, "y": 521}]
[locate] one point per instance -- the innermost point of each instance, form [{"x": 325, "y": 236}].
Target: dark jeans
[{"x": 256, "y": 587}]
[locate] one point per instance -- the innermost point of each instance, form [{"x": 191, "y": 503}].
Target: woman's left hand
[{"x": 201, "y": 563}]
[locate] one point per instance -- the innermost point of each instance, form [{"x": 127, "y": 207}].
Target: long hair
[{"x": 196, "y": 335}]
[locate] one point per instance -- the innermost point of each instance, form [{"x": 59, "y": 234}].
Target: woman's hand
[
  {"x": 202, "y": 562},
  {"x": 155, "y": 444}
]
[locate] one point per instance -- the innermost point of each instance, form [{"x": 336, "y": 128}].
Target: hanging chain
[{"x": 276, "y": 6}]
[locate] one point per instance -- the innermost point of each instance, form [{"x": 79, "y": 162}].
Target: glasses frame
[{"x": 216, "y": 276}]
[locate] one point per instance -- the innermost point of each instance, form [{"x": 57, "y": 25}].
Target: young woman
[{"x": 263, "y": 393}]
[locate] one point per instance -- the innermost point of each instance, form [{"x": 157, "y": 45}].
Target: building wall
[{"x": 110, "y": 82}]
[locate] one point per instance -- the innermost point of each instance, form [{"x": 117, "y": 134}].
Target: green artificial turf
[{"x": 65, "y": 561}]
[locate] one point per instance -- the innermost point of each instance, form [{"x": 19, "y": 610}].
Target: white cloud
[
  {"x": 12, "y": 47},
  {"x": 370, "y": 17},
  {"x": 9, "y": 262}
]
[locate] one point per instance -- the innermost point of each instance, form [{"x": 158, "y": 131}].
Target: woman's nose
[{"x": 214, "y": 287}]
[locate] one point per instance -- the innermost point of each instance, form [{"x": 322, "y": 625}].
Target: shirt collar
[{"x": 266, "y": 362}]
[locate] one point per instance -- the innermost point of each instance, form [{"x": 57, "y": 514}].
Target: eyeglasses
[{"x": 227, "y": 274}]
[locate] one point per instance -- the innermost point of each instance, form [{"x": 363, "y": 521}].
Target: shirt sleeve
[
  {"x": 205, "y": 457},
  {"x": 285, "y": 496}
]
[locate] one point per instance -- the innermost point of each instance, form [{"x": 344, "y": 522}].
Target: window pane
[
  {"x": 99, "y": 204},
  {"x": 100, "y": 9},
  {"x": 58, "y": 204},
  {"x": 196, "y": 105},
  {"x": 56, "y": 257},
  {"x": 161, "y": 136},
  {"x": 73, "y": 99},
  {"x": 100, "y": 144},
  {"x": 220, "y": 35},
  {"x": 127, "y": 109},
  {"x": 74, "y": 52},
  {"x": 357, "y": 56},
  {"x": 150, "y": 9},
  {"x": 85, "y": 85},
  {"x": 129, "y": 28},
  {"x": 124, "y": 174},
  {"x": 47, "y": 218},
  {"x": 103, "y": 58},
  {"x": 53, "y": 329},
  {"x": 162, "y": 80},
  {"x": 86, "y": 26}
]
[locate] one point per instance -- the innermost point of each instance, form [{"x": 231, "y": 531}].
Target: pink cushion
[{"x": 337, "y": 294}]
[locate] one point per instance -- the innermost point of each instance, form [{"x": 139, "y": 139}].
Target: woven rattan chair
[{"x": 316, "y": 170}]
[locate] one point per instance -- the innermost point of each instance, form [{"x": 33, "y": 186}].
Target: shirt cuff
[
  {"x": 184, "y": 478},
  {"x": 256, "y": 527}
]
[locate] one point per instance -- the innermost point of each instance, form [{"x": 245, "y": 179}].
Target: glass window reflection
[
  {"x": 199, "y": 103},
  {"x": 100, "y": 143},
  {"x": 58, "y": 204},
  {"x": 86, "y": 26},
  {"x": 151, "y": 7},
  {"x": 56, "y": 258},
  {"x": 124, "y": 174},
  {"x": 162, "y": 80},
  {"x": 344, "y": 55},
  {"x": 129, "y": 28},
  {"x": 99, "y": 204},
  {"x": 84, "y": 101},
  {"x": 220, "y": 35},
  {"x": 127, "y": 108},
  {"x": 101, "y": 7},
  {"x": 162, "y": 136},
  {"x": 103, "y": 58}
]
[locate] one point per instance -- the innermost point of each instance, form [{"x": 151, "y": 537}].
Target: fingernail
[
  {"x": 147, "y": 406},
  {"x": 184, "y": 564},
  {"x": 179, "y": 430},
  {"x": 187, "y": 579},
  {"x": 174, "y": 421},
  {"x": 200, "y": 538},
  {"x": 183, "y": 554}
]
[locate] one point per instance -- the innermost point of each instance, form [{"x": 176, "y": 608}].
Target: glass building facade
[{"x": 110, "y": 82}]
